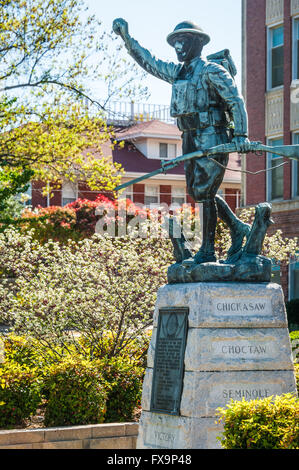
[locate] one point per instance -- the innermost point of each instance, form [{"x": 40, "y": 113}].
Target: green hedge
[
  {"x": 124, "y": 379},
  {"x": 76, "y": 390},
  {"x": 297, "y": 376},
  {"x": 271, "y": 423},
  {"x": 294, "y": 337},
  {"x": 75, "y": 394},
  {"x": 20, "y": 394}
]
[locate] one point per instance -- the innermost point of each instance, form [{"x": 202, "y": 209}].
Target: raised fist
[{"x": 120, "y": 27}]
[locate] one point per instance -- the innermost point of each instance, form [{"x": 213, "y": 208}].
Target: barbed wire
[{"x": 247, "y": 171}]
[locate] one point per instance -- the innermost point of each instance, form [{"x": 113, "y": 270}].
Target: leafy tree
[{"x": 52, "y": 54}]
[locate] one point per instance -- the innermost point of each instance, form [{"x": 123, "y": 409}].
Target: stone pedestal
[{"x": 237, "y": 346}]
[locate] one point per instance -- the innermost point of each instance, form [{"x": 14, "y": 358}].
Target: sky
[{"x": 150, "y": 21}]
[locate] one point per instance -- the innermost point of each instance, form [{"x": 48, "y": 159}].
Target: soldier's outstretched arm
[{"x": 165, "y": 70}]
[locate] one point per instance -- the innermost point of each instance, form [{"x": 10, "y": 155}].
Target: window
[
  {"x": 127, "y": 193},
  {"x": 178, "y": 195},
  {"x": 295, "y": 171},
  {"x": 296, "y": 49},
  {"x": 275, "y": 57},
  {"x": 69, "y": 193},
  {"x": 275, "y": 176},
  {"x": 26, "y": 198},
  {"x": 151, "y": 195},
  {"x": 167, "y": 150},
  {"x": 293, "y": 280}
]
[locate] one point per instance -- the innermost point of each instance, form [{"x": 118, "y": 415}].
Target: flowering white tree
[{"x": 97, "y": 287}]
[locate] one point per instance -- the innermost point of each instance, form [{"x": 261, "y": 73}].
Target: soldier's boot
[
  {"x": 205, "y": 257},
  {"x": 202, "y": 256}
]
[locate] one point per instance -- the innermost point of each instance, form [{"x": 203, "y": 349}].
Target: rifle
[{"x": 287, "y": 151}]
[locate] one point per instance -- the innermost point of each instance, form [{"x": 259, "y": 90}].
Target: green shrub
[
  {"x": 23, "y": 351},
  {"x": 75, "y": 394},
  {"x": 63, "y": 380},
  {"x": 124, "y": 379},
  {"x": 292, "y": 308},
  {"x": 294, "y": 337},
  {"x": 20, "y": 394},
  {"x": 296, "y": 366},
  {"x": 271, "y": 423}
]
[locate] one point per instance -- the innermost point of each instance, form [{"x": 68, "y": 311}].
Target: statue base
[
  {"x": 246, "y": 269},
  {"x": 211, "y": 342}
]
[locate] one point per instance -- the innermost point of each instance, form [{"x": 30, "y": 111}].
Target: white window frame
[
  {"x": 151, "y": 204},
  {"x": 168, "y": 157},
  {"x": 176, "y": 204},
  {"x": 293, "y": 265},
  {"x": 27, "y": 202},
  {"x": 295, "y": 163},
  {"x": 128, "y": 193},
  {"x": 74, "y": 186},
  {"x": 295, "y": 36},
  {"x": 269, "y": 173},
  {"x": 269, "y": 56}
]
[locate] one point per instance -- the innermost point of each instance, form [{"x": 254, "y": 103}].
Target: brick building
[
  {"x": 270, "y": 79},
  {"x": 146, "y": 143}
]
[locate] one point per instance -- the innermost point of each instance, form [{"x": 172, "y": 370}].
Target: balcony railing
[{"x": 120, "y": 112}]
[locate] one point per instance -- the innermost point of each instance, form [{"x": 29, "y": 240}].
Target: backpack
[{"x": 224, "y": 58}]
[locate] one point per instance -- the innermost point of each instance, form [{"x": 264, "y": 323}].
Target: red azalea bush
[
  {"x": 77, "y": 220},
  {"x": 85, "y": 215},
  {"x": 54, "y": 222}
]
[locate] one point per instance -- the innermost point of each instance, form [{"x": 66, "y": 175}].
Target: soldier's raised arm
[{"x": 165, "y": 70}]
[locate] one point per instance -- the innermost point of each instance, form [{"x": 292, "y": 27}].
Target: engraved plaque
[{"x": 169, "y": 360}]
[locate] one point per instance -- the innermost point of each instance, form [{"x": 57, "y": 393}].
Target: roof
[
  {"x": 148, "y": 129},
  {"x": 132, "y": 160}
]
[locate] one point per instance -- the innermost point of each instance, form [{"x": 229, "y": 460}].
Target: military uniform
[{"x": 204, "y": 100}]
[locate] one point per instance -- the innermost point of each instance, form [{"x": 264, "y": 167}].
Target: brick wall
[
  {"x": 37, "y": 198},
  {"x": 287, "y": 221},
  {"x": 256, "y": 50},
  {"x": 98, "y": 436},
  {"x": 138, "y": 190},
  {"x": 255, "y": 95}
]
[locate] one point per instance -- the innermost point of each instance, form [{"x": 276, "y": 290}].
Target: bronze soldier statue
[{"x": 205, "y": 100}]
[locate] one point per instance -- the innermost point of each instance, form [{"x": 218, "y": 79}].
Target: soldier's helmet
[{"x": 187, "y": 27}]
